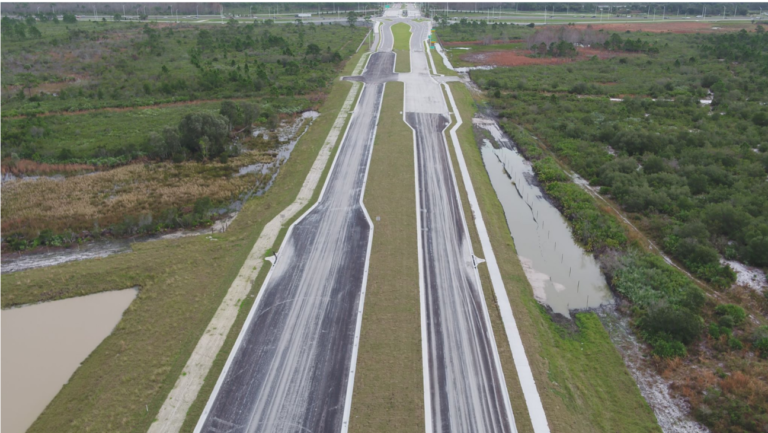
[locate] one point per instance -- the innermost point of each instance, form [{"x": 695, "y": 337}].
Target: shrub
[
  {"x": 678, "y": 324},
  {"x": 735, "y": 344},
  {"x": 667, "y": 348},
  {"x": 734, "y": 312}
]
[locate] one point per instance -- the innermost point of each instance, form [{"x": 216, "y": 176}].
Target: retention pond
[
  {"x": 43, "y": 345},
  {"x": 563, "y": 276}
]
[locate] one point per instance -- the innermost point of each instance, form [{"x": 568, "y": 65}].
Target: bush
[
  {"x": 667, "y": 348},
  {"x": 735, "y": 344},
  {"x": 679, "y": 324},
  {"x": 734, "y": 312}
]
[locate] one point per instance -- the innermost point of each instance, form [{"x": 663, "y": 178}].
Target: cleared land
[
  {"x": 138, "y": 364},
  {"x": 401, "y": 47},
  {"x": 388, "y": 393},
  {"x": 580, "y": 376}
]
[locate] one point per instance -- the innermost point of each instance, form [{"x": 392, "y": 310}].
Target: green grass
[
  {"x": 581, "y": 377},
  {"x": 402, "y": 46},
  {"x": 440, "y": 64},
  {"x": 83, "y": 134},
  {"x": 388, "y": 394},
  {"x": 402, "y": 35},
  {"x": 182, "y": 283}
]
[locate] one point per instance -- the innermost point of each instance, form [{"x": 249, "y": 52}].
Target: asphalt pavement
[
  {"x": 294, "y": 360},
  {"x": 466, "y": 387}
]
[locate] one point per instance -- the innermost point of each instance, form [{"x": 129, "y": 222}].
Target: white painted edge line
[
  {"x": 527, "y": 383},
  {"x": 359, "y": 324},
  {"x": 486, "y": 315},
  {"x": 248, "y": 320}
]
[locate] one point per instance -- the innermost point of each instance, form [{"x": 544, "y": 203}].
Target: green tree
[
  {"x": 194, "y": 127},
  {"x": 313, "y": 50},
  {"x": 351, "y": 18},
  {"x": 231, "y": 112}
]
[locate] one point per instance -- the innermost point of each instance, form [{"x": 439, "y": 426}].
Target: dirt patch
[
  {"x": 523, "y": 57},
  {"x": 672, "y": 27},
  {"x": 496, "y": 42}
]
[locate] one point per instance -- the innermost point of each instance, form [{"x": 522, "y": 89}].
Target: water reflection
[{"x": 562, "y": 275}]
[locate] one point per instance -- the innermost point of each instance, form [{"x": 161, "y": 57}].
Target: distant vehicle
[
  {"x": 303, "y": 15},
  {"x": 405, "y": 12}
]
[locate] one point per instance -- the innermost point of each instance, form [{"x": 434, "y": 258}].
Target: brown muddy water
[
  {"x": 563, "y": 276},
  {"x": 43, "y": 344}
]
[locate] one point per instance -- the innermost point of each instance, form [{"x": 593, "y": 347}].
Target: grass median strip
[
  {"x": 402, "y": 46},
  {"x": 581, "y": 377},
  {"x": 122, "y": 384},
  {"x": 388, "y": 394}
]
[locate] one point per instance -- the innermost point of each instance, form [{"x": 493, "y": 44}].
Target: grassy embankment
[
  {"x": 402, "y": 46},
  {"x": 388, "y": 393},
  {"x": 182, "y": 283},
  {"x": 581, "y": 377},
  {"x": 440, "y": 64}
]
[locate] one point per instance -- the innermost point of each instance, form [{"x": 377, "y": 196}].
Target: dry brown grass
[
  {"x": 77, "y": 203},
  {"x": 26, "y": 167}
]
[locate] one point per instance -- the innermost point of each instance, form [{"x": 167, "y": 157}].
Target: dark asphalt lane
[
  {"x": 291, "y": 371},
  {"x": 467, "y": 389}
]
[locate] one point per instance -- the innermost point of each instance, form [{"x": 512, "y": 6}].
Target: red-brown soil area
[
  {"x": 496, "y": 42},
  {"x": 671, "y": 27},
  {"x": 521, "y": 57}
]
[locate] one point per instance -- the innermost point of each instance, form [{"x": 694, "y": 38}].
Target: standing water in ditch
[
  {"x": 43, "y": 344},
  {"x": 563, "y": 276}
]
